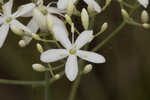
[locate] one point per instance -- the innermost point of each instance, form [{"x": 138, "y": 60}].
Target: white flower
[
  {"x": 38, "y": 21},
  {"x": 63, "y": 4},
  {"x": 7, "y": 19},
  {"x": 72, "y": 50},
  {"x": 144, "y": 3},
  {"x": 93, "y": 5}
]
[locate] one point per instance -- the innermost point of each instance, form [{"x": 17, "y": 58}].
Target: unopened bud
[
  {"x": 104, "y": 27},
  {"x": 87, "y": 69},
  {"x": 38, "y": 67},
  {"x": 70, "y": 7},
  {"x": 144, "y": 16},
  {"x": 57, "y": 76},
  {"x": 85, "y": 18},
  {"x": 36, "y": 37},
  {"x": 49, "y": 22},
  {"x": 39, "y": 47},
  {"x": 145, "y": 25},
  {"x": 124, "y": 13},
  {"x": 17, "y": 30},
  {"x": 22, "y": 43},
  {"x": 68, "y": 19}
]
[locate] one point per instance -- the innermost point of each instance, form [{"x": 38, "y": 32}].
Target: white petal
[
  {"x": 8, "y": 7},
  {"x": 144, "y": 3},
  {"x": 94, "y": 5},
  {"x": 91, "y": 56},
  {"x": 3, "y": 34},
  {"x": 29, "y": 14},
  {"x": 57, "y": 21},
  {"x": 71, "y": 68},
  {"x": 21, "y": 26},
  {"x": 83, "y": 38},
  {"x": 24, "y": 9},
  {"x": 33, "y": 27},
  {"x": 60, "y": 33},
  {"x": 53, "y": 55},
  {"x": 2, "y": 19},
  {"x": 54, "y": 10},
  {"x": 39, "y": 18},
  {"x": 62, "y": 4}
]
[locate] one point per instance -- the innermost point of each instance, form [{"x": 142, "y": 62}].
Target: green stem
[
  {"x": 109, "y": 37},
  {"x": 51, "y": 70},
  {"x": 15, "y": 82},
  {"x": 115, "y": 32},
  {"x": 74, "y": 88},
  {"x": 47, "y": 87}
]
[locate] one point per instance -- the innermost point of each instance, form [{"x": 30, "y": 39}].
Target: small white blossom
[
  {"x": 144, "y": 3},
  {"x": 93, "y": 5},
  {"x": 8, "y": 20},
  {"x": 72, "y": 50},
  {"x": 39, "y": 18}
]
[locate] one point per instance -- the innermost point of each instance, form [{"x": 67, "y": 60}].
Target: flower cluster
[
  {"x": 48, "y": 24},
  {"x": 44, "y": 19}
]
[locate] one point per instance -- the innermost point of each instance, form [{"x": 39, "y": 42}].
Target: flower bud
[
  {"x": 39, "y": 47},
  {"x": 85, "y": 18},
  {"x": 104, "y": 27},
  {"x": 36, "y": 37},
  {"x": 49, "y": 22},
  {"x": 87, "y": 69},
  {"x": 22, "y": 43},
  {"x": 38, "y": 67},
  {"x": 17, "y": 30},
  {"x": 144, "y": 16},
  {"x": 124, "y": 13},
  {"x": 145, "y": 25},
  {"x": 68, "y": 19},
  {"x": 70, "y": 7},
  {"x": 57, "y": 76}
]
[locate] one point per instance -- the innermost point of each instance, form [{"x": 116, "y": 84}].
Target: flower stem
[
  {"x": 47, "y": 87},
  {"x": 51, "y": 70},
  {"x": 15, "y": 82},
  {"x": 74, "y": 88}
]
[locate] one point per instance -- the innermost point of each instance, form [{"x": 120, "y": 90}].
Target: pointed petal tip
[
  {"x": 71, "y": 78},
  {"x": 71, "y": 68}
]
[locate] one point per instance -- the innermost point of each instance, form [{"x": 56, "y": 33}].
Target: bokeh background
[{"x": 124, "y": 76}]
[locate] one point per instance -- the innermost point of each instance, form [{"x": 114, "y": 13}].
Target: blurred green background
[{"x": 124, "y": 76}]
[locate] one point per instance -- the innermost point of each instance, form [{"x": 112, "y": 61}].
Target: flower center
[
  {"x": 8, "y": 20},
  {"x": 73, "y": 51}
]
